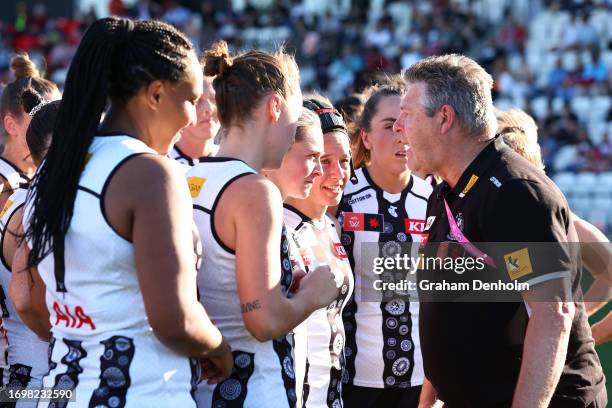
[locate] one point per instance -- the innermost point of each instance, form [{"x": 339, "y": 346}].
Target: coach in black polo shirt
[{"x": 528, "y": 354}]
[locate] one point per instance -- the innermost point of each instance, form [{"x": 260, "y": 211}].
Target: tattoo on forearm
[{"x": 249, "y": 307}]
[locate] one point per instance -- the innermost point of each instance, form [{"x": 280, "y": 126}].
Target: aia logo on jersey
[
  {"x": 414, "y": 226},
  {"x": 363, "y": 222},
  {"x": 74, "y": 319},
  {"x": 340, "y": 251}
]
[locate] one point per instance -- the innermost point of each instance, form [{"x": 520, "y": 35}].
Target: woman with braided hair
[{"x": 108, "y": 228}]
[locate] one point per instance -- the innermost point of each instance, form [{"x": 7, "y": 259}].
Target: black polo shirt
[{"x": 472, "y": 351}]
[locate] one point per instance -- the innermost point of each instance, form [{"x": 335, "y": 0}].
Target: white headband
[{"x": 37, "y": 108}]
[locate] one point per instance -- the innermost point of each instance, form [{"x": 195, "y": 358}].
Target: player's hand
[
  {"x": 297, "y": 278},
  {"x": 217, "y": 366},
  {"x": 320, "y": 286}
]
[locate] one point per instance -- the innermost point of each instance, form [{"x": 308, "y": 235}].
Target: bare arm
[
  {"x": 159, "y": 226},
  {"x": 597, "y": 258},
  {"x": 428, "y": 395},
  {"x": 545, "y": 348},
  {"x": 27, "y": 291},
  {"x": 12, "y": 234},
  {"x": 267, "y": 312}
]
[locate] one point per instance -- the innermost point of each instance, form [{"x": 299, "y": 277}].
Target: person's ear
[
  {"x": 365, "y": 138},
  {"x": 154, "y": 94},
  {"x": 10, "y": 124},
  {"x": 274, "y": 107},
  {"x": 447, "y": 117}
]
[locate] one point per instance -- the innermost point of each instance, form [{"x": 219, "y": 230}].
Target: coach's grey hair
[{"x": 460, "y": 82}]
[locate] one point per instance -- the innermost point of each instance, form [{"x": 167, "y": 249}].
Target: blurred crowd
[{"x": 554, "y": 60}]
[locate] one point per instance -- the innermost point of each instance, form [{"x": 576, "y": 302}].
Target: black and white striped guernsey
[
  {"x": 318, "y": 244},
  {"x": 383, "y": 346}
]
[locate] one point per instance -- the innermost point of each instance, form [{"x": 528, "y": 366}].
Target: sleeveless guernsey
[
  {"x": 27, "y": 353},
  {"x": 263, "y": 374},
  {"x": 383, "y": 345},
  {"x": 16, "y": 179},
  {"x": 103, "y": 346},
  {"x": 318, "y": 243}
]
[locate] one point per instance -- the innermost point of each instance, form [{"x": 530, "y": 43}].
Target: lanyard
[{"x": 462, "y": 239}]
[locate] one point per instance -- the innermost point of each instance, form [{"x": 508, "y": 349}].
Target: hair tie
[
  {"x": 124, "y": 31},
  {"x": 37, "y": 108}
]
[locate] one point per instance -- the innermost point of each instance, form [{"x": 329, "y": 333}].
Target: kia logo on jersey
[
  {"x": 414, "y": 226},
  {"x": 340, "y": 251}
]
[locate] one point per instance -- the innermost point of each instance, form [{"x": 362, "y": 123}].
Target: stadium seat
[
  {"x": 585, "y": 183},
  {"x": 597, "y": 129},
  {"x": 602, "y": 203},
  {"x": 581, "y": 105},
  {"x": 565, "y": 181},
  {"x": 604, "y": 182},
  {"x": 599, "y": 108},
  {"x": 598, "y": 217},
  {"x": 566, "y": 156},
  {"x": 539, "y": 106},
  {"x": 569, "y": 60},
  {"x": 580, "y": 206}
]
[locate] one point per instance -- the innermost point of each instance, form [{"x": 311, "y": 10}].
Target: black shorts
[{"x": 364, "y": 397}]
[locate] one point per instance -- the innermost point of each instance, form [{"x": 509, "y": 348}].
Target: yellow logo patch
[
  {"x": 518, "y": 263},
  {"x": 6, "y": 207},
  {"x": 195, "y": 185},
  {"x": 469, "y": 185}
]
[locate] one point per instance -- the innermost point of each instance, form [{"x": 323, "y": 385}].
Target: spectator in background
[
  {"x": 410, "y": 56},
  {"x": 382, "y": 35},
  {"x": 176, "y": 14},
  {"x": 556, "y": 79},
  {"x": 350, "y": 107},
  {"x": 339, "y": 50},
  {"x": 512, "y": 34},
  {"x": 601, "y": 155},
  {"x": 569, "y": 36},
  {"x": 587, "y": 37},
  {"x": 596, "y": 70},
  {"x": 562, "y": 127}
]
